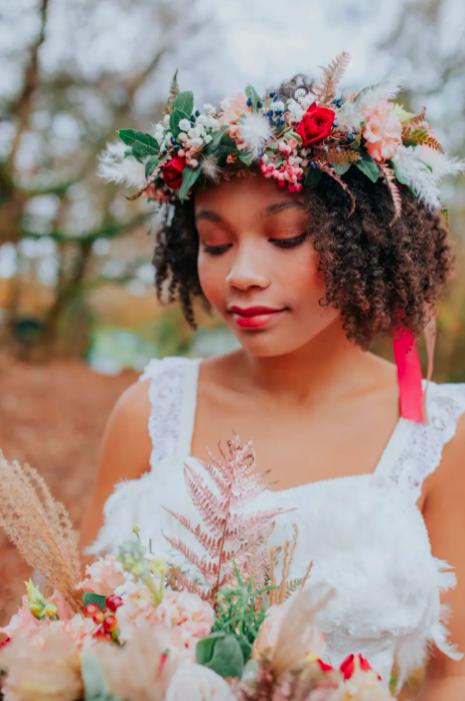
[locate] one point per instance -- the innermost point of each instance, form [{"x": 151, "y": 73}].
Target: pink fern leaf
[
  {"x": 209, "y": 543},
  {"x": 389, "y": 178},
  {"x": 332, "y": 75},
  {"x": 332, "y": 174}
]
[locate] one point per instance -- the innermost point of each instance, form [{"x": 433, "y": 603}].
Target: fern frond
[
  {"x": 332, "y": 74},
  {"x": 333, "y": 155},
  {"x": 390, "y": 180},
  {"x": 40, "y": 527},
  {"x": 174, "y": 91},
  {"x": 228, "y": 534}
]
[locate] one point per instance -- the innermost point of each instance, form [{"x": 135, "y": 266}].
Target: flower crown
[{"x": 293, "y": 140}]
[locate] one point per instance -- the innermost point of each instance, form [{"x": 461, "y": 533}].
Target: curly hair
[{"x": 375, "y": 273}]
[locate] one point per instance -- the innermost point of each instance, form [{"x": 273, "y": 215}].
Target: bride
[{"x": 310, "y": 229}]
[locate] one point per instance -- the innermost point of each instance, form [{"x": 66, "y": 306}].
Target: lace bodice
[{"x": 386, "y": 579}]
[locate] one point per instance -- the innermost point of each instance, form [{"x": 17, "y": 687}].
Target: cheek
[{"x": 211, "y": 277}]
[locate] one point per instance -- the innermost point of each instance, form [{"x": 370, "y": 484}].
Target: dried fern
[
  {"x": 285, "y": 587},
  {"x": 40, "y": 527},
  {"x": 173, "y": 93},
  {"x": 332, "y": 74},
  {"x": 390, "y": 180},
  {"x": 226, "y": 533},
  {"x": 338, "y": 155}
]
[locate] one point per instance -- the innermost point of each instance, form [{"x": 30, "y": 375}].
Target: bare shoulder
[
  {"x": 124, "y": 452},
  {"x": 126, "y": 441}
]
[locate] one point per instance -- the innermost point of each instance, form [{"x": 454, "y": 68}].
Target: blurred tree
[{"x": 88, "y": 70}]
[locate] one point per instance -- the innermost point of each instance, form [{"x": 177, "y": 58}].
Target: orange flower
[{"x": 382, "y": 130}]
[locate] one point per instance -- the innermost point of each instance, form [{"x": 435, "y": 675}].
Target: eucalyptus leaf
[
  {"x": 183, "y": 106},
  {"x": 247, "y": 157},
  {"x": 141, "y": 139},
  {"x": 189, "y": 177},
  {"x": 341, "y": 168},
  {"x": 225, "y": 655},
  {"x": 95, "y": 688},
  {"x": 312, "y": 177},
  {"x": 368, "y": 168},
  {"x": 91, "y": 598},
  {"x": 150, "y": 165}
]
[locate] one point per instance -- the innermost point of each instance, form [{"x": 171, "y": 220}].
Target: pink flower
[
  {"x": 188, "y": 612},
  {"x": 198, "y": 683},
  {"x": 232, "y": 109},
  {"x": 382, "y": 131},
  {"x": 42, "y": 666},
  {"x": 22, "y": 622},
  {"x": 102, "y": 576}
]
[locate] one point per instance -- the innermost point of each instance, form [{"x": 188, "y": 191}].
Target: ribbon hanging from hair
[{"x": 412, "y": 396}]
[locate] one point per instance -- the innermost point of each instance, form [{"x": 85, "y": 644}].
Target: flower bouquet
[{"x": 136, "y": 627}]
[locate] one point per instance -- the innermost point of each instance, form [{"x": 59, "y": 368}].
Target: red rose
[
  {"x": 316, "y": 124},
  {"x": 172, "y": 172}
]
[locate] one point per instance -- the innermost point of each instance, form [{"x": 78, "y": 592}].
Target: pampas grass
[{"x": 40, "y": 527}]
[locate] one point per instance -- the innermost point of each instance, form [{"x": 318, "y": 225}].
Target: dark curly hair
[{"x": 373, "y": 271}]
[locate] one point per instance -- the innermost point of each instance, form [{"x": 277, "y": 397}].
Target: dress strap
[
  {"x": 422, "y": 444},
  {"x": 172, "y": 395}
]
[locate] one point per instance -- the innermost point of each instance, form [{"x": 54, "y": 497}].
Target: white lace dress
[{"x": 364, "y": 533}]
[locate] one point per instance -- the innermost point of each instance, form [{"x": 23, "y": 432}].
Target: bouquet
[{"x": 136, "y": 627}]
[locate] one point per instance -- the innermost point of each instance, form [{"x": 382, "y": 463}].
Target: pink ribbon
[{"x": 409, "y": 375}]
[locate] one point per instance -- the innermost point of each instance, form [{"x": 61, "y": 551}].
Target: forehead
[{"x": 250, "y": 195}]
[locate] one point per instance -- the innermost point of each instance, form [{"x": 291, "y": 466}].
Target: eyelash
[{"x": 280, "y": 243}]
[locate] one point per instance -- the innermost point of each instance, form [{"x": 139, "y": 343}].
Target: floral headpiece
[{"x": 294, "y": 141}]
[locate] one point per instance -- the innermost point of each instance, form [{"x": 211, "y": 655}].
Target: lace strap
[
  {"x": 172, "y": 395},
  {"x": 423, "y": 444}
]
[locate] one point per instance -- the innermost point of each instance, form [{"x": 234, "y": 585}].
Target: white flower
[
  {"x": 115, "y": 167},
  {"x": 158, "y": 131},
  {"x": 349, "y": 116},
  {"x": 254, "y": 130},
  {"x": 198, "y": 683},
  {"x": 295, "y": 110},
  {"x": 300, "y": 93},
  {"x": 184, "y": 124},
  {"x": 208, "y": 108}
]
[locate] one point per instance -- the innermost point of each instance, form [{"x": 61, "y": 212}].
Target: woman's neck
[{"x": 329, "y": 367}]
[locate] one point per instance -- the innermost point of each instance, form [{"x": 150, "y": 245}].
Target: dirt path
[{"x": 52, "y": 416}]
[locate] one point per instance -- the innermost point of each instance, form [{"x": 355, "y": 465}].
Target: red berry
[
  {"x": 113, "y": 602},
  {"x": 91, "y": 609},
  {"x": 109, "y": 623},
  {"x": 98, "y": 617},
  {"x": 100, "y": 633},
  {"x": 5, "y": 642}
]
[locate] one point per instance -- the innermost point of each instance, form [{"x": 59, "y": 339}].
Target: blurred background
[{"x": 78, "y": 315}]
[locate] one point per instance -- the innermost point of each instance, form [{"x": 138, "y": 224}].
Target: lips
[{"x": 253, "y": 311}]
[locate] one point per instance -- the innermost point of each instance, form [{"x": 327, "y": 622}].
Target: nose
[{"x": 247, "y": 270}]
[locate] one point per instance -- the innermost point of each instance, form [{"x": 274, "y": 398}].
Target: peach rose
[
  {"x": 102, "y": 576},
  {"x": 382, "y": 131}
]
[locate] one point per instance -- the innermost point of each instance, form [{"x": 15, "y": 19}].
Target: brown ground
[{"x": 52, "y": 417}]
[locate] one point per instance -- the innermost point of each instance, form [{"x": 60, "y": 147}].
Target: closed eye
[{"x": 280, "y": 243}]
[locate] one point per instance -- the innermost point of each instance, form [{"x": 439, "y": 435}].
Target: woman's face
[{"x": 254, "y": 251}]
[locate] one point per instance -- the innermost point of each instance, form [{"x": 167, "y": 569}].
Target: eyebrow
[{"x": 274, "y": 208}]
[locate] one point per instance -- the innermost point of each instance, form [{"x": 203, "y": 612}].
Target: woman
[{"x": 307, "y": 222}]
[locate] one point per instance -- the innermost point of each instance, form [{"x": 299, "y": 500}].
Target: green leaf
[
  {"x": 223, "y": 655},
  {"x": 183, "y": 106},
  {"x": 247, "y": 157},
  {"x": 94, "y": 684},
  {"x": 91, "y": 598},
  {"x": 150, "y": 165},
  {"x": 189, "y": 177},
  {"x": 254, "y": 96},
  {"x": 368, "y": 168},
  {"x": 312, "y": 177},
  {"x": 216, "y": 140},
  {"x": 184, "y": 102},
  {"x": 140, "y": 140},
  {"x": 341, "y": 168}
]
